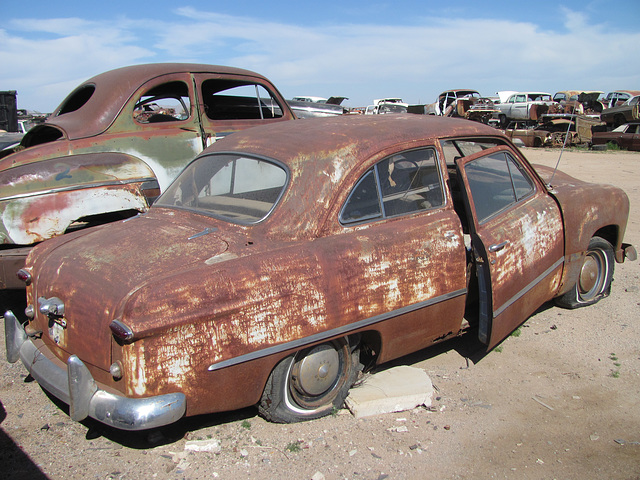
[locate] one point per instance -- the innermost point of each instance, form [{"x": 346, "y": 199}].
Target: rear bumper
[{"x": 76, "y": 387}]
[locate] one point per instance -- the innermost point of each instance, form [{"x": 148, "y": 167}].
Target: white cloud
[{"x": 45, "y": 59}]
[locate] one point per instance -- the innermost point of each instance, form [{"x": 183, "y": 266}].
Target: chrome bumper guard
[{"x": 76, "y": 387}]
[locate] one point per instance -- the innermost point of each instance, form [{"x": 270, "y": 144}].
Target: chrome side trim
[
  {"x": 301, "y": 342},
  {"x": 524, "y": 291},
  {"x": 76, "y": 187},
  {"x": 76, "y": 387}
]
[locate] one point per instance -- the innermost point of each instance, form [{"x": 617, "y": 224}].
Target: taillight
[
  {"x": 24, "y": 276},
  {"x": 121, "y": 332}
]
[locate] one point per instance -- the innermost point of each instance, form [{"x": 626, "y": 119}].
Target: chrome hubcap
[{"x": 318, "y": 371}]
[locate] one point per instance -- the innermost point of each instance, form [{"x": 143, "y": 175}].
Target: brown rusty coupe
[
  {"x": 284, "y": 258},
  {"x": 115, "y": 143}
]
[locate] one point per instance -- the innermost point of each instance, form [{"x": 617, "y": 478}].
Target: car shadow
[{"x": 15, "y": 463}]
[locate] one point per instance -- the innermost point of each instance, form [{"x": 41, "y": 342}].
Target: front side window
[
  {"x": 238, "y": 100},
  {"x": 401, "y": 184},
  {"x": 168, "y": 102},
  {"x": 496, "y": 182},
  {"x": 235, "y": 187}
]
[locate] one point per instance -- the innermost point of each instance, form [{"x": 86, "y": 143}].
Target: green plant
[
  {"x": 246, "y": 424},
  {"x": 293, "y": 447},
  {"x": 613, "y": 146},
  {"x": 615, "y": 373},
  {"x": 517, "y": 332},
  {"x": 498, "y": 349}
]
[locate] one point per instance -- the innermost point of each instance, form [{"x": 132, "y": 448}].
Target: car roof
[
  {"x": 114, "y": 88},
  {"x": 352, "y": 138}
]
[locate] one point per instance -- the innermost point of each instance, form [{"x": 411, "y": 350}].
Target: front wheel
[
  {"x": 596, "y": 274},
  {"x": 311, "y": 383}
]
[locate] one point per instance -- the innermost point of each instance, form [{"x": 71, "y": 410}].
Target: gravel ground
[{"x": 560, "y": 398}]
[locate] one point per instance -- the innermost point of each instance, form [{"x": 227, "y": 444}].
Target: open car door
[{"x": 517, "y": 239}]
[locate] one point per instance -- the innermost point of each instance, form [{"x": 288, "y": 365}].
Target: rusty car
[
  {"x": 626, "y": 136},
  {"x": 618, "y": 115},
  {"x": 578, "y": 102},
  {"x": 115, "y": 143},
  {"x": 453, "y": 103},
  {"x": 285, "y": 258}
]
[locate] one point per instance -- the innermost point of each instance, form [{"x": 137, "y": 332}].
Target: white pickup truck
[{"x": 523, "y": 106}]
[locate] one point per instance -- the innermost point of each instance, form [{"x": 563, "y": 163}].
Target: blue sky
[{"x": 358, "y": 49}]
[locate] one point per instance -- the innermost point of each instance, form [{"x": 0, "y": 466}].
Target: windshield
[{"x": 238, "y": 188}]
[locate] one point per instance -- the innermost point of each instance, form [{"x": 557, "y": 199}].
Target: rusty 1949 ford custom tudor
[{"x": 284, "y": 257}]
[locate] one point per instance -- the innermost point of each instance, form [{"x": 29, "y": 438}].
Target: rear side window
[
  {"x": 401, "y": 184},
  {"x": 496, "y": 182}
]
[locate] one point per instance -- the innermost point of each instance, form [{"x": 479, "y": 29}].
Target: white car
[{"x": 524, "y": 106}]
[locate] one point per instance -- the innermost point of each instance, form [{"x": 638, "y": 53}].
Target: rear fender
[{"x": 41, "y": 200}]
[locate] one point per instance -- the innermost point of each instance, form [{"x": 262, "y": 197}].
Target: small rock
[
  {"x": 211, "y": 445},
  {"x": 45, "y": 427},
  {"x": 244, "y": 453},
  {"x": 594, "y": 437},
  {"x": 353, "y": 452},
  {"x": 318, "y": 476},
  {"x": 447, "y": 427},
  {"x": 539, "y": 462}
]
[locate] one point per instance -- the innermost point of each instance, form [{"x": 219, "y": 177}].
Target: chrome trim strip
[
  {"x": 301, "y": 342},
  {"x": 526, "y": 289},
  {"x": 76, "y": 187}
]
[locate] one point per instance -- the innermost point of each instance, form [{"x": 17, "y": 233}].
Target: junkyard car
[
  {"x": 284, "y": 258},
  {"x": 528, "y": 135},
  {"x": 626, "y": 136},
  {"x": 453, "y": 103},
  {"x": 115, "y": 142},
  {"x": 577, "y": 102},
  {"x": 618, "y": 97},
  {"x": 523, "y": 106},
  {"x": 627, "y": 112}
]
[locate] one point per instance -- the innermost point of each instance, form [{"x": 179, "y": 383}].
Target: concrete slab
[{"x": 393, "y": 390}]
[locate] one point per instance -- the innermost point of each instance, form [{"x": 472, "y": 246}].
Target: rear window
[
  {"x": 77, "y": 99},
  {"x": 237, "y": 188}
]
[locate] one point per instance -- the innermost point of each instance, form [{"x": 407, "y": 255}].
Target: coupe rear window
[
  {"x": 77, "y": 99},
  {"x": 237, "y": 188}
]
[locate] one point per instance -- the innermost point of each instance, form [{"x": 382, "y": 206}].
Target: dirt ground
[{"x": 558, "y": 399}]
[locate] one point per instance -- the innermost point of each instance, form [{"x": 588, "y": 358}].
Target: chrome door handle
[{"x": 497, "y": 247}]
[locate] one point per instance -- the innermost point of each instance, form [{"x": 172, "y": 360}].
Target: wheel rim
[
  {"x": 592, "y": 275},
  {"x": 316, "y": 376}
]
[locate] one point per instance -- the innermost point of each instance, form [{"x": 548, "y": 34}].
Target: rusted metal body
[
  {"x": 211, "y": 305},
  {"x": 119, "y": 139},
  {"x": 578, "y": 102},
  {"x": 529, "y": 136}
]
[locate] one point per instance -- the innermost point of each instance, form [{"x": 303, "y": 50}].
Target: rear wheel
[
  {"x": 596, "y": 274},
  {"x": 311, "y": 383}
]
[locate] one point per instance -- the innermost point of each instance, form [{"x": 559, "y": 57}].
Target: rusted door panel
[
  {"x": 394, "y": 264},
  {"x": 520, "y": 249}
]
